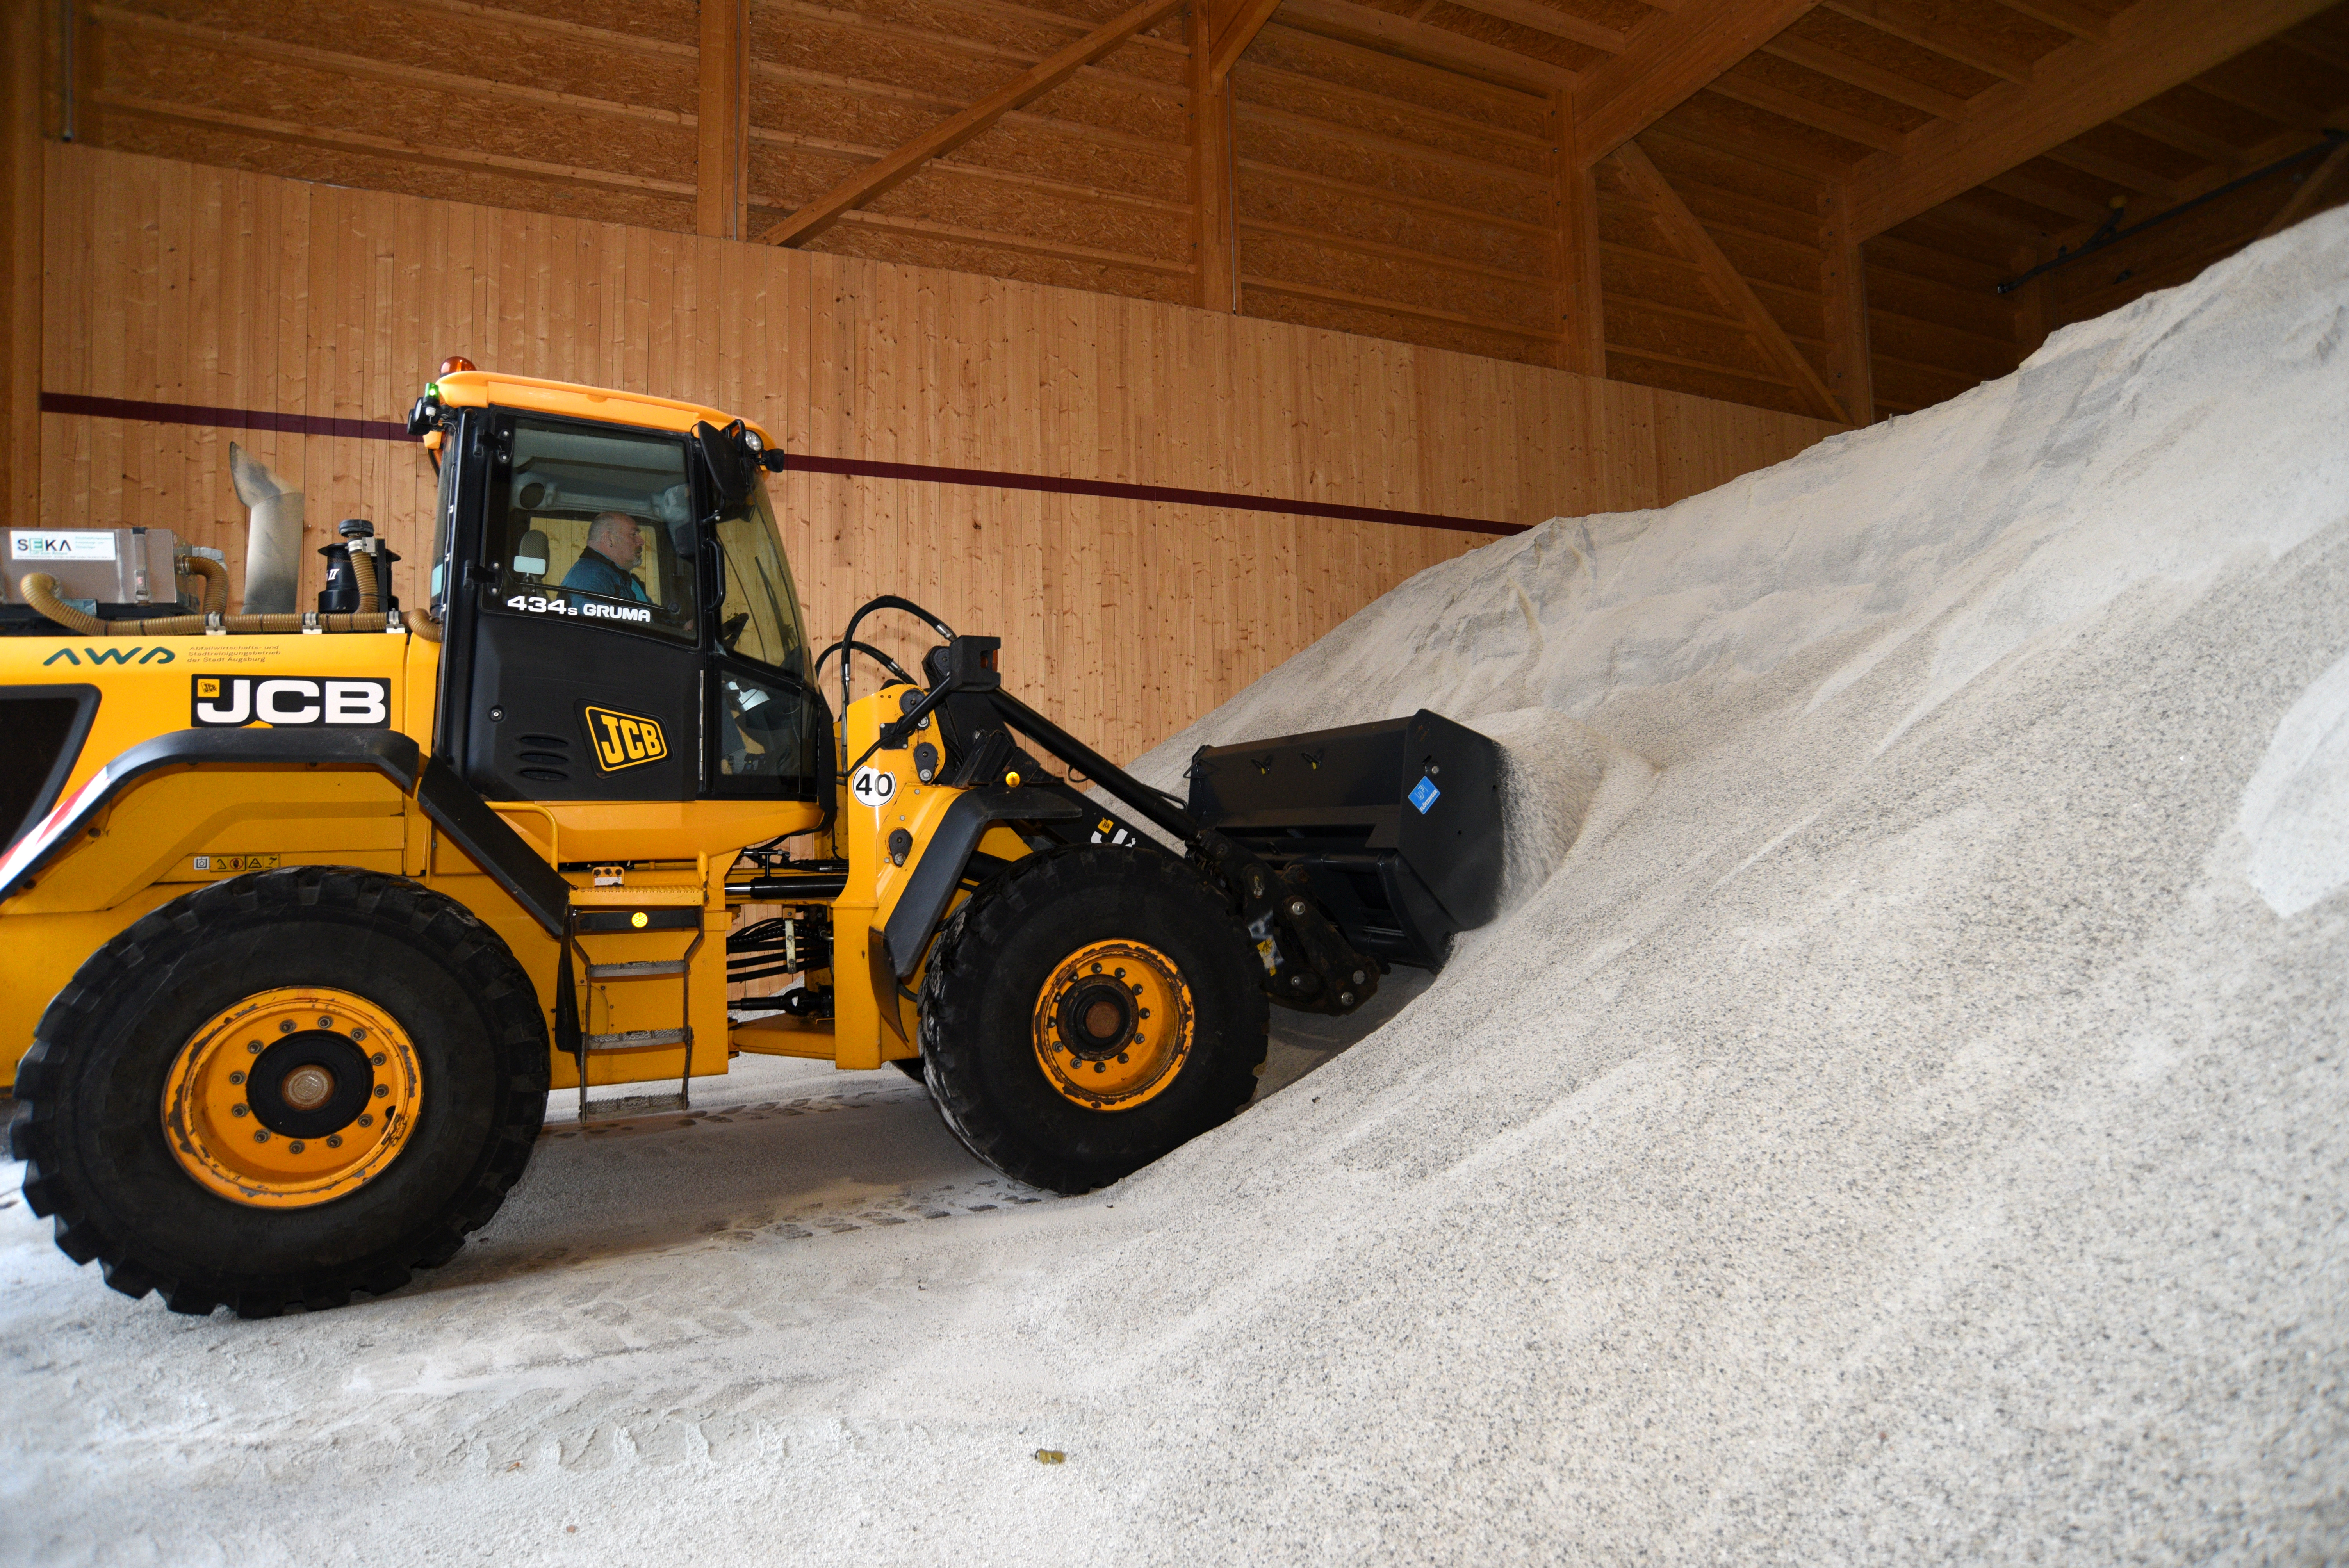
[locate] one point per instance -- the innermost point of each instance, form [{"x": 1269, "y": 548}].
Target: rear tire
[
  {"x": 115, "y": 1048},
  {"x": 990, "y": 1022}
]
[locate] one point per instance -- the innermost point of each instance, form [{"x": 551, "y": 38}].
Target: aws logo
[{"x": 624, "y": 739}]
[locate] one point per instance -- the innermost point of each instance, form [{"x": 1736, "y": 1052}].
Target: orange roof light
[{"x": 454, "y": 363}]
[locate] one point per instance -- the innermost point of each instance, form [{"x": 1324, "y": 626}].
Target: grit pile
[{"x": 1899, "y": 1118}]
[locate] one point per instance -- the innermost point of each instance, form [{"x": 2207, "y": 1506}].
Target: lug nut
[
  {"x": 334, "y": 1141},
  {"x": 377, "y": 1058},
  {"x": 295, "y": 1147},
  {"x": 1141, "y": 1012},
  {"x": 240, "y": 1110},
  {"x": 326, "y": 1023},
  {"x": 261, "y": 1135},
  {"x": 357, "y": 1035},
  {"x": 366, "y": 1120},
  {"x": 382, "y": 1090},
  {"x": 287, "y": 1027},
  {"x": 236, "y": 1077},
  {"x": 253, "y": 1048}
]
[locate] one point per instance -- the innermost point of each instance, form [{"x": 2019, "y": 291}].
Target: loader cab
[{"x": 617, "y": 627}]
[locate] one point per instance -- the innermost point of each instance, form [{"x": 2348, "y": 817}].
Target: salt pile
[{"x": 1899, "y": 1118}]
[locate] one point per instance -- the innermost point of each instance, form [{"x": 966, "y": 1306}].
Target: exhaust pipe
[{"x": 272, "y": 546}]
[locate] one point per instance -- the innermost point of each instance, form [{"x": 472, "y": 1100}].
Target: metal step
[
  {"x": 649, "y": 969},
  {"x": 605, "y": 1112},
  {"x": 640, "y": 1039}
]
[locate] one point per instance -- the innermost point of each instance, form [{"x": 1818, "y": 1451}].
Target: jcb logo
[
  {"x": 624, "y": 739},
  {"x": 228, "y": 701}
]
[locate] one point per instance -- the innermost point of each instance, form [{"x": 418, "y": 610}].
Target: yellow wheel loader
[{"x": 305, "y": 915}]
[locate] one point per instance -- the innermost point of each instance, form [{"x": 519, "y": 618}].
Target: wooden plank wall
[
  {"x": 186, "y": 283},
  {"x": 1382, "y": 196},
  {"x": 1372, "y": 194},
  {"x": 1087, "y": 188}
]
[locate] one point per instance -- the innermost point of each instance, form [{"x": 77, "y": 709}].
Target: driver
[{"x": 607, "y": 567}]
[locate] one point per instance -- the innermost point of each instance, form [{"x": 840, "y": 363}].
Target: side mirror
[{"x": 733, "y": 466}]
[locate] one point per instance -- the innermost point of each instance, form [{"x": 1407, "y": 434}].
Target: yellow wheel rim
[
  {"x": 1113, "y": 1025},
  {"x": 292, "y": 1098}
]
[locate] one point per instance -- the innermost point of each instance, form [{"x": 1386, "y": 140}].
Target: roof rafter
[
  {"x": 908, "y": 161},
  {"x": 1233, "y": 33},
  {"x": 1430, "y": 43},
  {"x": 1667, "y": 60},
  {"x": 1867, "y": 78},
  {"x": 1556, "y": 23},
  {"x": 1928, "y": 33},
  {"x": 1655, "y": 192},
  {"x": 2155, "y": 46}
]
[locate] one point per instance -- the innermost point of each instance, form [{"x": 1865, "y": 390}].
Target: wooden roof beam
[
  {"x": 2155, "y": 46},
  {"x": 1429, "y": 43},
  {"x": 1234, "y": 31},
  {"x": 2148, "y": 122},
  {"x": 1927, "y": 33},
  {"x": 1867, "y": 78},
  {"x": 2049, "y": 197},
  {"x": 1666, "y": 61},
  {"x": 2311, "y": 193},
  {"x": 898, "y": 167},
  {"x": 1556, "y": 23},
  {"x": 2072, "y": 17},
  {"x": 1802, "y": 111},
  {"x": 1655, "y": 192},
  {"x": 2125, "y": 175}
]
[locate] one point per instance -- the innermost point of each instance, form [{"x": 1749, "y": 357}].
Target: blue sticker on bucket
[{"x": 1424, "y": 795}]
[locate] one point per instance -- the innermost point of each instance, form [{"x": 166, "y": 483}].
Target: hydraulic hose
[
  {"x": 215, "y": 576},
  {"x": 363, "y": 568},
  {"x": 40, "y": 590}
]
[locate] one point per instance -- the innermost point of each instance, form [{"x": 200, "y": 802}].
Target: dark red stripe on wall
[
  {"x": 994, "y": 480},
  {"x": 854, "y": 467},
  {"x": 225, "y": 418}
]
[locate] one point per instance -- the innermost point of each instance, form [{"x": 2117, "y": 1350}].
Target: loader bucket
[{"x": 1395, "y": 825}]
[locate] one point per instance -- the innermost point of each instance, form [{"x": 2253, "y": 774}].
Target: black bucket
[{"x": 1396, "y": 825}]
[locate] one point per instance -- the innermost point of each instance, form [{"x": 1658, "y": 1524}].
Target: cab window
[
  {"x": 594, "y": 525},
  {"x": 758, "y": 611},
  {"x": 768, "y": 720}
]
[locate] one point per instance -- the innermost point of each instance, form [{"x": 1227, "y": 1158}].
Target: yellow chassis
[{"x": 166, "y": 832}]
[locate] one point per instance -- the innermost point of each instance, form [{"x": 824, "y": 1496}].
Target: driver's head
[{"x": 614, "y": 535}]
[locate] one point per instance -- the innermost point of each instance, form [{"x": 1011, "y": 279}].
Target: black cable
[
  {"x": 886, "y": 601},
  {"x": 2109, "y": 236},
  {"x": 869, "y": 651}
]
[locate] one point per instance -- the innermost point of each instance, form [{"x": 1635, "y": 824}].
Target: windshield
[
  {"x": 596, "y": 525},
  {"x": 758, "y": 613}
]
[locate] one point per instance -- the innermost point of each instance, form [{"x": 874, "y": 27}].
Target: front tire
[
  {"x": 281, "y": 1088},
  {"x": 1091, "y": 1010}
]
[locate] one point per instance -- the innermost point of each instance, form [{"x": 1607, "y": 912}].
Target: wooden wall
[{"x": 174, "y": 283}]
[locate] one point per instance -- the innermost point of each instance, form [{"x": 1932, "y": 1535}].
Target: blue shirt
[{"x": 599, "y": 575}]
